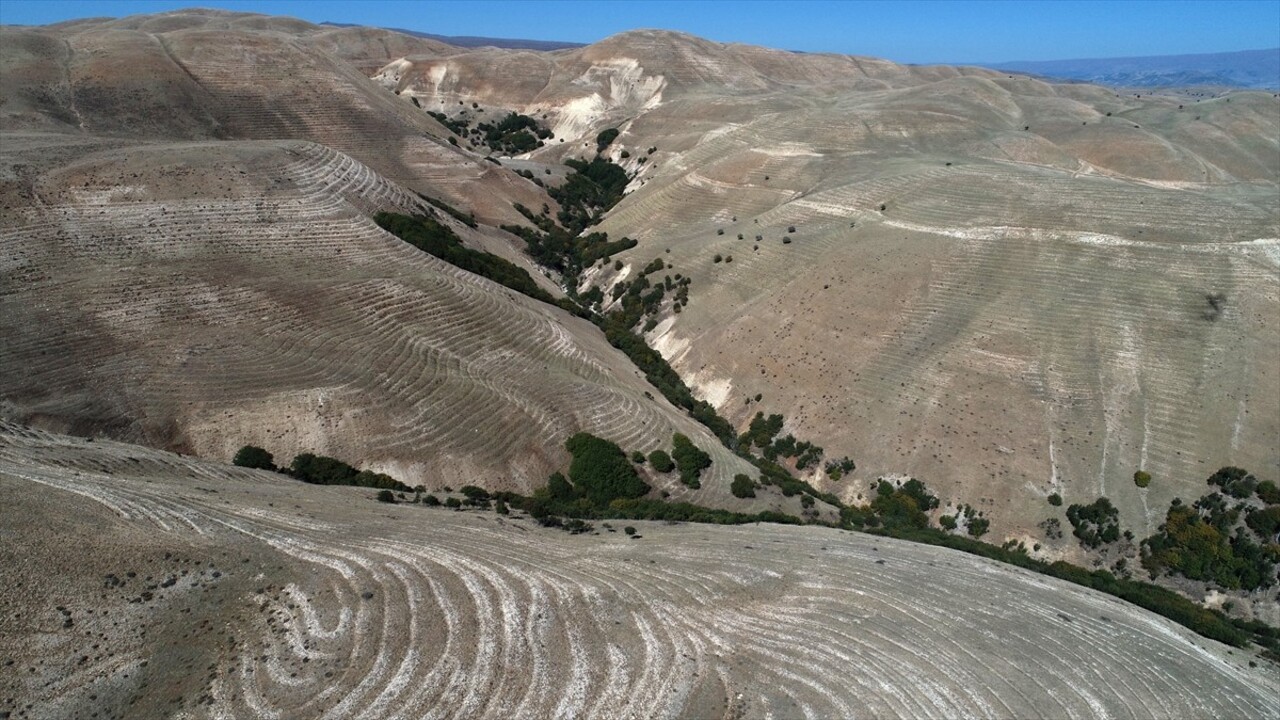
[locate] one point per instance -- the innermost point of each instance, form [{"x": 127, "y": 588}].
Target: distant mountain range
[
  {"x": 1254, "y": 69},
  {"x": 473, "y": 41}
]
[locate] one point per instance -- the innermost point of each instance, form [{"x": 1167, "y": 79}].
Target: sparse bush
[
  {"x": 386, "y": 496},
  {"x": 252, "y": 456},
  {"x": 1268, "y": 492},
  {"x": 1234, "y": 481},
  {"x": 743, "y": 486},
  {"x": 978, "y": 526},
  {"x": 435, "y": 238},
  {"x": 948, "y": 522},
  {"x": 322, "y": 470},
  {"x": 690, "y": 459},
  {"x": 1096, "y": 524},
  {"x": 659, "y": 460},
  {"x": 605, "y": 138},
  {"x": 431, "y": 500},
  {"x": 453, "y": 502}
]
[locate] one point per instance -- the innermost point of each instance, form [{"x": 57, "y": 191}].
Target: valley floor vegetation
[
  {"x": 604, "y": 483},
  {"x": 1232, "y": 547}
]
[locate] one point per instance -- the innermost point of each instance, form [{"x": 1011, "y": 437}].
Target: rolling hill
[
  {"x": 997, "y": 284},
  {"x": 1017, "y": 291},
  {"x": 161, "y": 585}
]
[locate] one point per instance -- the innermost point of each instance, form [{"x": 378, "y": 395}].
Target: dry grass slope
[
  {"x": 206, "y": 295},
  {"x": 996, "y": 284},
  {"x": 237, "y": 593}
]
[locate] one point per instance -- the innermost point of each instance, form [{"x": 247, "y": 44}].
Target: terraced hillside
[
  {"x": 1005, "y": 287},
  {"x": 208, "y": 74},
  {"x": 156, "y": 585},
  {"x": 203, "y": 296}
]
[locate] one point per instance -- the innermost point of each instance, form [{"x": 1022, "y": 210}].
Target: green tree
[
  {"x": 605, "y": 138},
  {"x": 601, "y": 471},
  {"x": 1096, "y": 524},
  {"x": 1142, "y": 478},
  {"x": 252, "y": 456},
  {"x": 743, "y": 486},
  {"x": 690, "y": 459},
  {"x": 659, "y": 460}
]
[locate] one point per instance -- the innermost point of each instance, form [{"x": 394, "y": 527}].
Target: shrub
[
  {"x": 437, "y": 239},
  {"x": 605, "y": 138},
  {"x": 1055, "y": 500},
  {"x": 903, "y": 507},
  {"x": 1268, "y": 492},
  {"x": 252, "y": 456},
  {"x": 474, "y": 493},
  {"x": 629, "y": 530},
  {"x": 948, "y": 522},
  {"x": 1142, "y": 478},
  {"x": 600, "y": 471},
  {"x": 637, "y": 457},
  {"x": 386, "y": 496},
  {"x": 1196, "y": 542},
  {"x": 431, "y": 500},
  {"x": 743, "y": 486},
  {"x": 1096, "y": 524},
  {"x": 690, "y": 459},
  {"x": 1234, "y": 481},
  {"x": 453, "y": 502},
  {"x": 659, "y": 460},
  {"x": 978, "y": 526},
  {"x": 1264, "y": 522}
]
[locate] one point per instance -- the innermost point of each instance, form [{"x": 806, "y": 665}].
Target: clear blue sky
[{"x": 914, "y": 32}]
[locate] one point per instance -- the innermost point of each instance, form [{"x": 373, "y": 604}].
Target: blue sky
[{"x": 914, "y": 32}]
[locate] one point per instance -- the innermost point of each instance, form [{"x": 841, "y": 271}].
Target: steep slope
[
  {"x": 238, "y": 593},
  {"x": 212, "y": 74},
  {"x": 1006, "y": 287},
  {"x": 201, "y": 296}
]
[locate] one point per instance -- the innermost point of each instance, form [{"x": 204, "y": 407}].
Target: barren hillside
[
  {"x": 157, "y": 585},
  {"x": 217, "y": 75},
  {"x": 1005, "y": 287},
  {"x": 202, "y": 296}
]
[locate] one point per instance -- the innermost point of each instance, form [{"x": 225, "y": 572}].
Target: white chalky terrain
[{"x": 146, "y": 584}]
